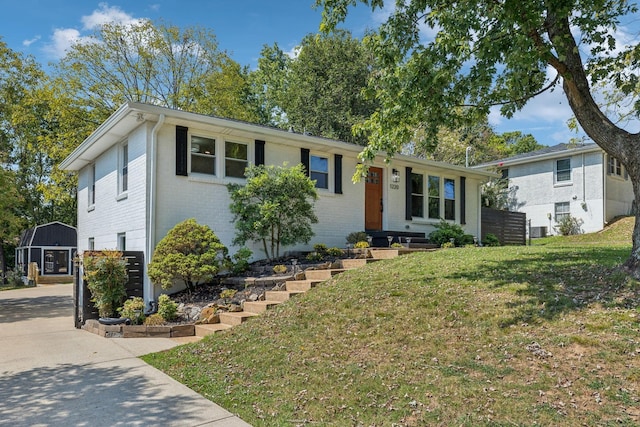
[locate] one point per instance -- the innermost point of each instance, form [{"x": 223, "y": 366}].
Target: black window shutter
[
  {"x": 259, "y": 147},
  {"x": 337, "y": 159},
  {"x": 463, "y": 199},
  {"x": 407, "y": 184},
  {"x": 182, "y": 148},
  {"x": 304, "y": 159}
]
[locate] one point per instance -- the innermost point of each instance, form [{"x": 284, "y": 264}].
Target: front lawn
[{"x": 541, "y": 335}]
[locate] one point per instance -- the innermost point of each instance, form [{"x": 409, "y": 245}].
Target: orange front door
[{"x": 373, "y": 200}]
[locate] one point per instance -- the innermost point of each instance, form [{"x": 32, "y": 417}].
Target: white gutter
[
  {"x": 604, "y": 189},
  {"x": 149, "y": 294}
]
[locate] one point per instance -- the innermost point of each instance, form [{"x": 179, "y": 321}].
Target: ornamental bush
[
  {"x": 167, "y": 308},
  {"x": 274, "y": 207},
  {"x": 446, "y": 231},
  {"x": 189, "y": 252},
  {"x": 133, "y": 309},
  {"x": 106, "y": 276}
]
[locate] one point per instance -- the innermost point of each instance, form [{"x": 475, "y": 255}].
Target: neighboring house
[
  {"x": 146, "y": 168},
  {"x": 52, "y": 246},
  {"x": 566, "y": 179}
]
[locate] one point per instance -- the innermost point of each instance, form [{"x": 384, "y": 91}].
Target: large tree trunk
[{"x": 614, "y": 140}]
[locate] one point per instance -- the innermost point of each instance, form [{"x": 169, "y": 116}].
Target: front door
[{"x": 373, "y": 200}]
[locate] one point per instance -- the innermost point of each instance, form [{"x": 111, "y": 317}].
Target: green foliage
[
  {"x": 189, "y": 252},
  {"x": 356, "y": 236},
  {"x": 280, "y": 269},
  {"x": 227, "y": 294},
  {"x": 273, "y": 207},
  {"x": 320, "y": 248},
  {"x": 361, "y": 245},
  {"x": 334, "y": 252},
  {"x": 167, "y": 308},
  {"x": 314, "y": 257},
  {"x": 106, "y": 276},
  {"x": 14, "y": 278},
  {"x": 154, "y": 320},
  {"x": 133, "y": 308},
  {"x": 397, "y": 245},
  {"x": 448, "y": 245},
  {"x": 569, "y": 225},
  {"x": 491, "y": 240},
  {"x": 240, "y": 262},
  {"x": 445, "y": 231}
]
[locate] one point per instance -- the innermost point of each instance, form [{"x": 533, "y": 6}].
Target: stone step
[
  {"x": 350, "y": 264},
  {"x": 236, "y": 317},
  {"x": 383, "y": 253},
  {"x": 280, "y": 296},
  {"x": 211, "y": 328},
  {"x": 301, "y": 285},
  {"x": 322, "y": 274},
  {"x": 259, "y": 306}
]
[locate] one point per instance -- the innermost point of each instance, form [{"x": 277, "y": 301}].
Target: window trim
[
  {"x": 559, "y": 215},
  {"x": 326, "y": 174},
  {"x": 441, "y": 197},
  {"x": 558, "y": 181},
  {"x": 123, "y": 170},
  {"x": 233, "y": 159},
  {"x": 91, "y": 187},
  {"x": 445, "y": 199},
  {"x": 213, "y": 156},
  {"x": 420, "y": 195},
  {"x": 121, "y": 241}
]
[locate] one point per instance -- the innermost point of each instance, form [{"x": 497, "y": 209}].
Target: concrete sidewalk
[{"x": 52, "y": 374}]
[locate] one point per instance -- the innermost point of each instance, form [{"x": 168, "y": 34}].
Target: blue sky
[{"x": 45, "y": 28}]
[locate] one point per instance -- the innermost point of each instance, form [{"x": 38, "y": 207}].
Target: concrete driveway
[{"x": 52, "y": 374}]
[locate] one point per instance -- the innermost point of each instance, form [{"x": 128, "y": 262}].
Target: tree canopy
[
  {"x": 486, "y": 53},
  {"x": 320, "y": 90}
]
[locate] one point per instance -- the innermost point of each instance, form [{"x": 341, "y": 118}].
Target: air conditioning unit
[{"x": 538, "y": 232}]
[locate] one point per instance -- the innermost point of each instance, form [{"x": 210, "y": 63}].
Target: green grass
[{"x": 441, "y": 338}]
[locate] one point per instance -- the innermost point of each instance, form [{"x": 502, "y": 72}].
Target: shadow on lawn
[{"x": 559, "y": 280}]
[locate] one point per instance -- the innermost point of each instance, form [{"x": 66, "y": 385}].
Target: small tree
[
  {"x": 189, "y": 252},
  {"x": 106, "y": 276},
  {"x": 274, "y": 207}
]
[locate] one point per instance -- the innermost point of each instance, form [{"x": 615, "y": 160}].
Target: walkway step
[
  {"x": 259, "y": 306},
  {"x": 302, "y": 285},
  {"x": 322, "y": 274},
  {"x": 236, "y": 317},
  {"x": 350, "y": 264},
  {"x": 280, "y": 296},
  {"x": 210, "y": 328},
  {"x": 383, "y": 253}
]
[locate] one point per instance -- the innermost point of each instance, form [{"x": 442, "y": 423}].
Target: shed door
[
  {"x": 373, "y": 200},
  {"x": 56, "y": 262}
]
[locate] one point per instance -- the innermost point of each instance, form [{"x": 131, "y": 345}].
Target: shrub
[
  {"x": 569, "y": 225},
  {"x": 491, "y": 240},
  {"x": 189, "y": 252},
  {"x": 467, "y": 239},
  {"x": 227, "y": 294},
  {"x": 240, "y": 262},
  {"x": 167, "y": 308},
  {"x": 106, "y": 275},
  {"x": 356, "y": 236},
  {"x": 448, "y": 245},
  {"x": 361, "y": 245},
  {"x": 275, "y": 207},
  {"x": 397, "y": 245},
  {"x": 280, "y": 269},
  {"x": 154, "y": 320},
  {"x": 14, "y": 277},
  {"x": 446, "y": 231},
  {"x": 320, "y": 248},
  {"x": 314, "y": 257},
  {"x": 335, "y": 252},
  {"x": 133, "y": 309}
]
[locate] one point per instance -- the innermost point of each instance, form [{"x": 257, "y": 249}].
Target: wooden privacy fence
[
  {"x": 509, "y": 227},
  {"x": 82, "y": 296}
]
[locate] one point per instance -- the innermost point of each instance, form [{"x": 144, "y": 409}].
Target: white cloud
[
  {"x": 29, "y": 42},
  {"x": 61, "y": 40},
  {"x": 107, "y": 14}
]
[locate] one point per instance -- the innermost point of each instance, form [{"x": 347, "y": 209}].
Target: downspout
[
  {"x": 479, "y": 216},
  {"x": 604, "y": 189},
  {"x": 584, "y": 188},
  {"x": 151, "y": 223}
]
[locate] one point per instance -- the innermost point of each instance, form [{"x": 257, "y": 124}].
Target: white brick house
[
  {"x": 146, "y": 168},
  {"x": 578, "y": 180}
]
